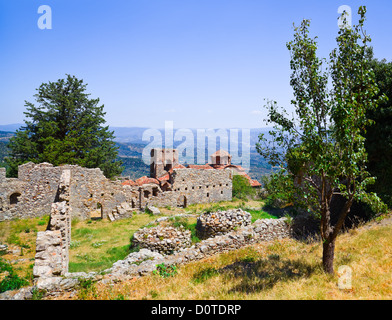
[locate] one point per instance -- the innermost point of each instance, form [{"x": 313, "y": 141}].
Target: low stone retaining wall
[
  {"x": 213, "y": 224},
  {"x": 145, "y": 261},
  {"x": 259, "y": 231},
  {"x": 165, "y": 240}
]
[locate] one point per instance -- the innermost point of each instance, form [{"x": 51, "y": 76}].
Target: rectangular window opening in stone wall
[{"x": 97, "y": 214}]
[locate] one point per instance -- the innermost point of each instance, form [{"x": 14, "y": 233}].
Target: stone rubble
[
  {"x": 211, "y": 224},
  {"x": 165, "y": 240},
  {"x": 259, "y": 231}
]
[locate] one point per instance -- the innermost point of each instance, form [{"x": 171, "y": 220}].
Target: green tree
[
  {"x": 379, "y": 136},
  {"x": 242, "y": 188},
  {"x": 322, "y": 150},
  {"x": 66, "y": 127}
]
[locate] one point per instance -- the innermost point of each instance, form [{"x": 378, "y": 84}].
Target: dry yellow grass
[{"x": 282, "y": 269}]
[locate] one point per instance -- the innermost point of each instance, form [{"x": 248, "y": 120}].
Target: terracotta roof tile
[
  {"x": 128, "y": 183},
  {"x": 165, "y": 177},
  {"x": 146, "y": 180},
  {"x": 199, "y": 166},
  {"x": 178, "y": 166}
]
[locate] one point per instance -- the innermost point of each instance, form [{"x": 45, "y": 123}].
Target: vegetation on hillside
[{"x": 279, "y": 270}]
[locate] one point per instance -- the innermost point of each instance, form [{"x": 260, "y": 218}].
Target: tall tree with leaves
[
  {"x": 66, "y": 127},
  {"x": 322, "y": 150}
]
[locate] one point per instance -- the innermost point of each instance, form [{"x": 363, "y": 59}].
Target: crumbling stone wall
[
  {"x": 52, "y": 245},
  {"x": 165, "y": 240},
  {"x": 2, "y": 174},
  {"x": 32, "y": 194},
  {"x": 211, "y": 224}
]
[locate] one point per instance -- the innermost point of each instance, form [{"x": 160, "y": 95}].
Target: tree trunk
[{"x": 328, "y": 256}]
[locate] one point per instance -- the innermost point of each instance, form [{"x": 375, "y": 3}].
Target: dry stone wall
[
  {"x": 165, "y": 240},
  {"x": 259, "y": 231},
  {"x": 211, "y": 224},
  {"x": 52, "y": 245}
]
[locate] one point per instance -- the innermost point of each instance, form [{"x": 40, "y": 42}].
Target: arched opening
[
  {"x": 185, "y": 202},
  {"x": 182, "y": 202},
  {"x": 146, "y": 194},
  {"x": 14, "y": 198}
]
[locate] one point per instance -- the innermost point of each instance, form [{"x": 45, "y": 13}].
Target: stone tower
[{"x": 162, "y": 160}]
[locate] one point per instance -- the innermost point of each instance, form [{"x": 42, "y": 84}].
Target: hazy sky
[{"x": 199, "y": 63}]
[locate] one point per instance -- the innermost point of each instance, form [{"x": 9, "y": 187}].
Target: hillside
[
  {"x": 4, "y": 139},
  {"x": 130, "y": 148},
  {"x": 279, "y": 270}
]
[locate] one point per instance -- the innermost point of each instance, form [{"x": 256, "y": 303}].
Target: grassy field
[
  {"x": 282, "y": 269},
  {"x": 20, "y": 237},
  {"x": 97, "y": 244}
]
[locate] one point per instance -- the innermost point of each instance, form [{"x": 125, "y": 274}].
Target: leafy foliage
[
  {"x": 379, "y": 136},
  {"x": 11, "y": 281},
  {"x": 242, "y": 188},
  {"x": 166, "y": 271},
  {"x": 323, "y": 149},
  {"x": 65, "y": 128}
]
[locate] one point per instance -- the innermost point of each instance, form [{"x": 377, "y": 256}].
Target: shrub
[
  {"x": 11, "y": 281},
  {"x": 242, "y": 188},
  {"x": 279, "y": 189},
  {"x": 165, "y": 271}
]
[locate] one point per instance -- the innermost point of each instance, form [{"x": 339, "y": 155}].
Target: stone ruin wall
[
  {"x": 37, "y": 185},
  {"x": 52, "y": 245},
  {"x": 191, "y": 186}
]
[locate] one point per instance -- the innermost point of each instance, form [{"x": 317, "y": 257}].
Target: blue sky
[{"x": 199, "y": 63}]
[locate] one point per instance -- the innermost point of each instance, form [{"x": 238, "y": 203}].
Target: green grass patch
[
  {"x": 97, "y": 244},
  {"x": 260, "y": 214},
  {"x": 10, "y": 280},
  {"x": 204, "y": 275}
]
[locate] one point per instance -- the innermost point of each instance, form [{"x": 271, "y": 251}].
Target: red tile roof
[
  {"x": 128, "y": 183},
  {"x": 178, "y": 166},
  {"x": 165, "y": 177},
  {"x": 146, "y": 180},
  {"x": 199, "y": 166}
]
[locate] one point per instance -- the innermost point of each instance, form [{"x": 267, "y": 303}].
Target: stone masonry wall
[
  {"x": 259, "y": 231},
  {"x": 52, "y": 248},
  {"x": 36, "y": 188},
  {"x": 202, "y": 186}
]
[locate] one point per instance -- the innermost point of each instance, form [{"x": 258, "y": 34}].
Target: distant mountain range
[{"x": 131, "y": 144}]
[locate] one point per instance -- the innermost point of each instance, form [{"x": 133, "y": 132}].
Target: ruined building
[{"x": 91, "y": 194}]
